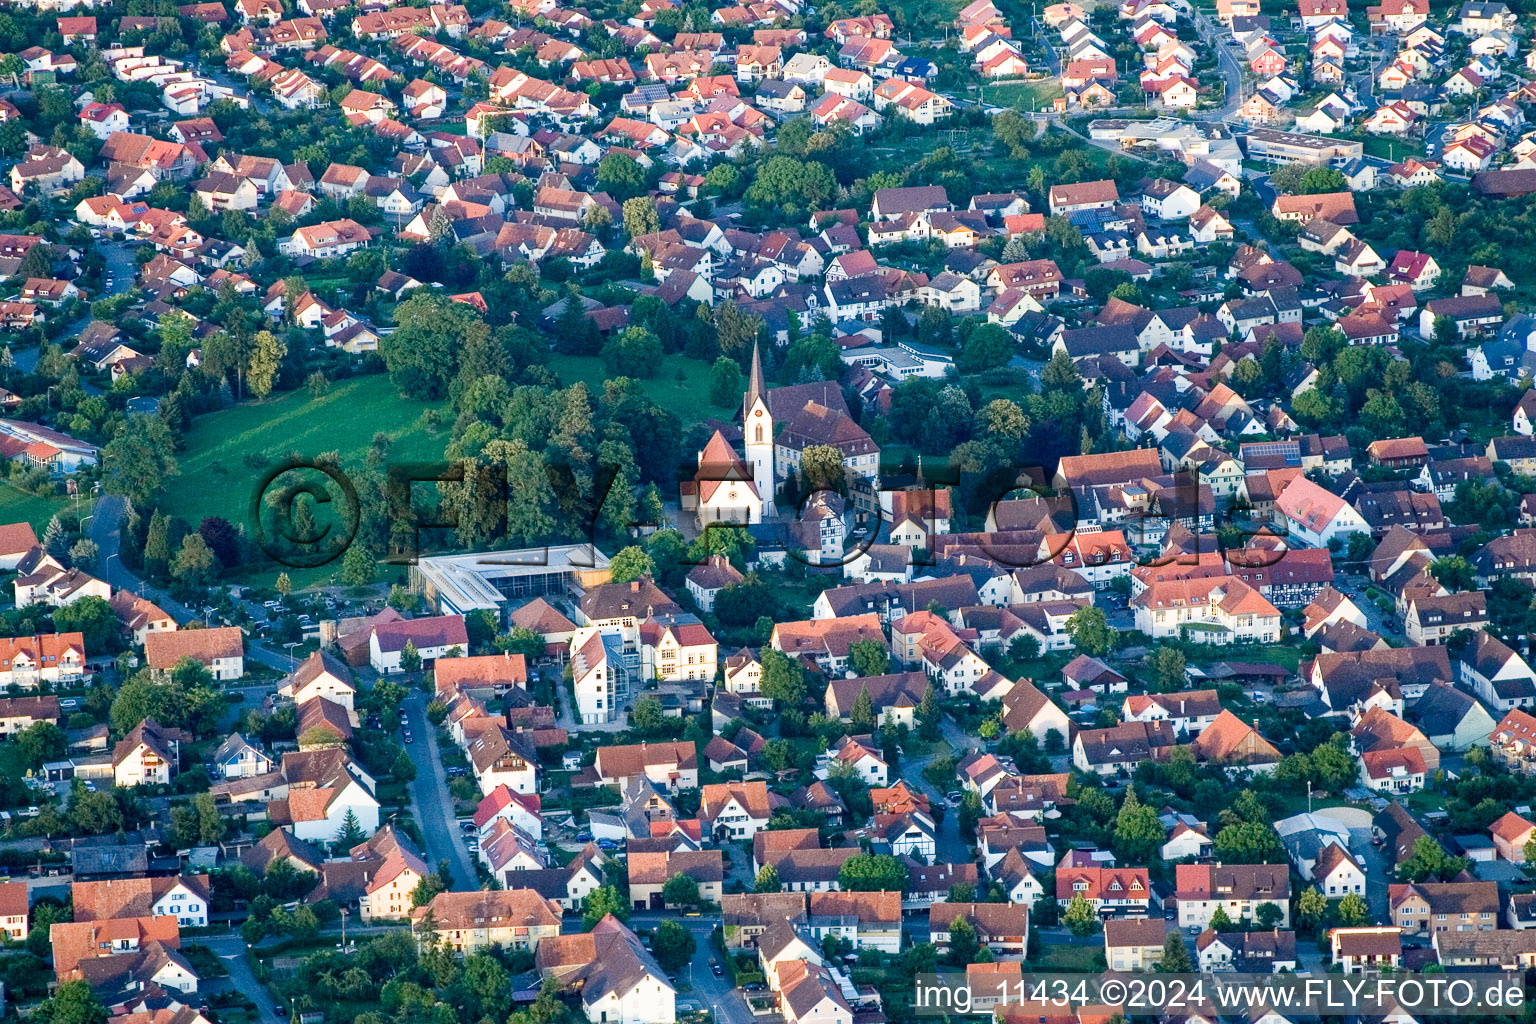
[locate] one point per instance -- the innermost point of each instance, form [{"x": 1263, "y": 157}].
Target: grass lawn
[
  {"x": 1023, "y": 95},
  {"x": 216, "y": 481},
  {"x": 20, "y": 507},
  {"x": 1390, "y": 148},
  {"x": 681, "y": 384},
  {"x": 1271, "y": 654},
  {"x": 938, "y": 12},
  {"x": 1068, "y": 958}
]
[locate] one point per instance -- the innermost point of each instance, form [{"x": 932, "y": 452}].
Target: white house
[{"x": 320, "y": 675}]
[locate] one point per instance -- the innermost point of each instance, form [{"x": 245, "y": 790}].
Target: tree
[
  {"x": 1221, "y": 921},
  {"x": 600, "y": 903},
  {"x": 863, "y": 712},
  {"x": 963, "y": 943},
  {"x": 1454, "y": 573},
  {"x": 266, "y": 360},
  {"x": 636, "y": 352},
  {"x": 871, "y": 872},
  {"x": 647, "y": 715},
  {"x": 725, "y": 383},
  {"x": 351, "y": 831},
  {"x": 94, "y": 812},
  {"x": 1249, "y": 842},
  {"x": 1311, "y": 905},
  {"x": 680, "y": 891},
  {"x": 869, "y": 658},
  {"x": 1268, "y": 915},
  {"x": 735, "y": 331},
  {"x": 1175, "y": 958},
  {"x": 1353, "y": 911},
  {"x": 358, "y": 568},
  {"x": 821, "y": 468},
  {"x": 791, "y": 184},
  {"x": 640, "y": 217},
  {"x": 283, "y": 585},
  {"x": 139, "y": 459},
  {"x": 1429, "y": 861},
  {"x": 83, "y": 553},
  {"x": 631, "y": 563},
  {"x": 55, "y": 537},
  {"x": 73, "y": 1003},
  {"x": 427, "y": 888},
  {"x": 410, "y": 658},
  {"x": 40, "y": 743},
  {"x": 195, "y": 563},
  {"x": 620, "y": 176},
  {"x": 1318, "y": 180},
  {"x": 767, "y": 880},
  {"x": 92, "y": 617},
  {"x": 1079, "y": 917},
  {"x": 782, "y": 680},
  {"x": 1167, "y": 665},
  {"x": 1138, "y": 833},
  {"x": 1332, "y": 766},
  {"x": 989, "y": 345},
  {"x": 1089, "y": 629},
  {"x": 673, "y": 946},
  {"x": 422, "y": 353}
]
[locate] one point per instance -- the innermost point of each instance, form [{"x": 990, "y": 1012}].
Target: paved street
[
  {"x": 230, "y": 949},
  {"x": 715, "y": 993},
  {"x": 951, "y": 845},
  {"x": 1214, "y": 35},
  {"x": 430, "y": 797},
  {"x": 105, "y": 530}
]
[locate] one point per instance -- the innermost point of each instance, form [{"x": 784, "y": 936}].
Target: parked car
[
  {"x": 717, "y": 969},
  {"x": 408, "y": 737}
]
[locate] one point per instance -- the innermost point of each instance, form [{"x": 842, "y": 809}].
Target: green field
[
  {"x": 1388, "y": 147},
  {"x": 216, "y": 481},
  {"x": 681, "y": 385},
  {"x": 1023, "y": 95},
  {"x": 21, "y": 507}
]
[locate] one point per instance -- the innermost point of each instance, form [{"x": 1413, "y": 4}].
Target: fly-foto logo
[{"x": 305, "y": 513}]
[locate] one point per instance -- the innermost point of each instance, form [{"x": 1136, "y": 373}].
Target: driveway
[{"x": 433, "y": 803}]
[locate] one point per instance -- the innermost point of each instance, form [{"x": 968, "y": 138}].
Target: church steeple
[
  {"x": 757, "y": 433},
  {"x": 755, "y": 389}
]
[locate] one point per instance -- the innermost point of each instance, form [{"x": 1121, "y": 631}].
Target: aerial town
[{"x": 637, "y": 511}]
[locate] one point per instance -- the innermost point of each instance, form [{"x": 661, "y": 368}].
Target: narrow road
[
  {"x": 715, "y": 993},
  {"x": 1214, "y": 35},
  {"x": 106, "y": 531},
  {"x": 433, "y": 803},
  {"x": 230, "y": 949},
  {"x": 950, "y": 845}
]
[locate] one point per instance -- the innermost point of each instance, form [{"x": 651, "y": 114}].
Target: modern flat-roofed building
[
  {"x": 493, "y": 580},
  {"x": 1278, "y": 147}
]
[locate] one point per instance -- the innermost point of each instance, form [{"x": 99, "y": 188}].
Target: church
[{"x": 777, "y": 425}]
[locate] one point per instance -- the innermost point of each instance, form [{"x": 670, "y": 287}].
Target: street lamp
[{"x": 290, "y": 646}]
